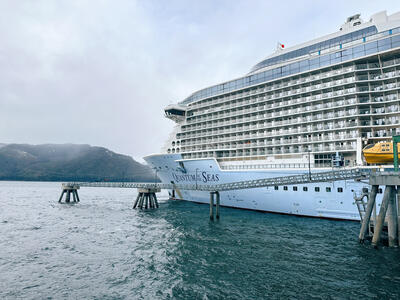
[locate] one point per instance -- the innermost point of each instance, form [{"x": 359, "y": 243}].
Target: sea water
[{"x": 103, "y": 249}]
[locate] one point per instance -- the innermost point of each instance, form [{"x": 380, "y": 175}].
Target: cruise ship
[{"x": 307, "y": 108}]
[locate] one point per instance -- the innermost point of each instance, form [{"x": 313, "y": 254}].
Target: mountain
[{"x": 69, "y": 162}]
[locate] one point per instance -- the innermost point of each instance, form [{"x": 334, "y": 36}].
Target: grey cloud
[{"x": 101, "y": 72}]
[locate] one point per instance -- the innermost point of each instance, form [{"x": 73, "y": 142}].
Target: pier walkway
[{"x": 335, "y": 175}]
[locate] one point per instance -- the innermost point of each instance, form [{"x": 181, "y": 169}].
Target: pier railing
[{"x": 334, "y": 175}]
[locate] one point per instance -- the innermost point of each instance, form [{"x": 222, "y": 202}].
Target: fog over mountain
[{"x": 68, "y": 162}]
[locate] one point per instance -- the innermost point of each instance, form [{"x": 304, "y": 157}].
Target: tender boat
[{"x": 379, "y": 153}]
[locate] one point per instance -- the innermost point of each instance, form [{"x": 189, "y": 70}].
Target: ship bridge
[{"x": 175, "y": 112}]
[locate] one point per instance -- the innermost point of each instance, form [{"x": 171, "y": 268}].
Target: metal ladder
[{"x": 362, "y": 207}]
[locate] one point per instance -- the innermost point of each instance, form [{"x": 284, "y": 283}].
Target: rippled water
[{"x": 101, "y": 248}]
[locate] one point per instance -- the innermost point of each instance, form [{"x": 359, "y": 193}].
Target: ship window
[
  {"x": 340, "y": 190},
  {"x": 285, "y": 188},
  {"x": 276, "y": 188},
  {"x": 305, "y": 189},
  {"x": 328, "y": 189},
  {"x": 317, "y": 188},
  {"x": 380, "y": 191},
  {"x": 295, "y": 188}
]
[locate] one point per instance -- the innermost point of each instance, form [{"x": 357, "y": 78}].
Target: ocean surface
[{"x": 102, "y": 249}]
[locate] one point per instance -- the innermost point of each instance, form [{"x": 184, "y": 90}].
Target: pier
[{"x": 147, "y": 198}]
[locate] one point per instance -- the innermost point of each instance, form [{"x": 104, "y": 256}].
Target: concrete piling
[
  {"x": 212, "y": 206},
  {"x": 370, "y": 206},
  {"x": 217, "y": 205},
  {"x": 155, "y": 201},
  {"x": 62, "y": 194},
  {"x": 77, "y": 196},
  {"x": 381, "y": 217},
  {"x": 67, "y": 198},
  {"x": 391, "y": 216},
  {"x": 136, "y": 201},
  {"x": 398, "y": 215},
  {"x": 141, "y": 201}
]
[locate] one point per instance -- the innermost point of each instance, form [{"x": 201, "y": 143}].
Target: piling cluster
[
  {"x": 146, "y": 199},
  {"x": 69, "y": 190},
  {"x": 389, "y": 213}
]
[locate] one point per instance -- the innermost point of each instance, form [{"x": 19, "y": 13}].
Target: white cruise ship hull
[{"x": 332, "y": 200}]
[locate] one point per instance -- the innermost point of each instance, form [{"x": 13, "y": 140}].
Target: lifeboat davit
[{"x": 379, "y": 153}]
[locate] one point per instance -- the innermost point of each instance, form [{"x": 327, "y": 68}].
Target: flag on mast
[{"x": 280, "y": 46}]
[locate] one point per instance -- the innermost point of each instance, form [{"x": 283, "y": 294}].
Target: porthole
[
  {"x": 317, "y": 188},
  {"x": 340, "y": 190},
  {"x": 305, "y": 189}
]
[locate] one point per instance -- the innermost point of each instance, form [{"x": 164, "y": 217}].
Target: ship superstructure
[
  {"x": 314, "y": 105},
  {"x": 333, "y": 94}
]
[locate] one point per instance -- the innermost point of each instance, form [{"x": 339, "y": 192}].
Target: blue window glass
[
  {"x": 347, "y": 53},
  {"x": 384, "y": 44},
  {"x": 294, "y": 68},
  {"x": 314, "y": 62},
  {"x": 285, "y": 70},
  {"x": 371, "y": 48},
  {"x": 277, "y": 71},
  {"x": 358, "y": 49},
  {"x": 395, "y": 41},
  {"x": 304, "y": 65},
  {"x": 324, "y": 58}
]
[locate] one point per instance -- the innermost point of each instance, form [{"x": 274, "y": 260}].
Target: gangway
[{"x": 334, "y": 175}]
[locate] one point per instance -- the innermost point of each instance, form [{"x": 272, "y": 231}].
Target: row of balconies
[
  {"x": 278, "y": 149},
  {"x": 284, "y": 141},
  {"x": 302, "y": 130},
  {"x": 300, "y": 100},
  {"x": 267, "y": 107},
  {"x": 299, "y": 130},
  {"x": 282, "y": 131},
  {"x": 310, "y": 118},
  {"x": 377, "y": 76},
  {"x": 278, "y": 85},
  {"x": 300, "y": 109},
  {"x": 245, "y": 143},
  {"x": 318, "y": 86}
]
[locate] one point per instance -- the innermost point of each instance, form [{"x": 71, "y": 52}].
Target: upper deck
[{"x": 354, "y": 40}]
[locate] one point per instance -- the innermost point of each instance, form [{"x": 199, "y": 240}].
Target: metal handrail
[{"x": 247, "y": 184}]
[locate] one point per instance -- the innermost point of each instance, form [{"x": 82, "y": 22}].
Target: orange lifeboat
[{"x": 379, "y": 153}]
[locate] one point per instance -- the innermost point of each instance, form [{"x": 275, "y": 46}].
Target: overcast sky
[{"x": 101, "y": 72}]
